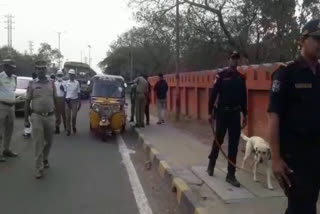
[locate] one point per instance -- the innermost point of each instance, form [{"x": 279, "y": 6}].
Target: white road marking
[{"x": 141, "y": 199}]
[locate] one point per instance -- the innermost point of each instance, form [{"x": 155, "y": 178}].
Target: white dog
[{"x": 262, "y": 154}]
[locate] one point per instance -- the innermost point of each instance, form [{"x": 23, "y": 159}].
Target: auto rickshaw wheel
[{"x": 123, "y": 129}]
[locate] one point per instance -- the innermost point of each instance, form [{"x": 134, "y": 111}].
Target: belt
[
  {"x": 44, "y": 114},
  {"x": 229, "y": 108},
  {"x": 7, "y": 104}
]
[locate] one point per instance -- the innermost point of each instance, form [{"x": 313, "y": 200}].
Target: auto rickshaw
[{"x": 107, "y": 105}]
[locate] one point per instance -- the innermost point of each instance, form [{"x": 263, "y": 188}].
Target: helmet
[
  {"x": 60, "y": 72},
  {"x": 71, "y": 71}
]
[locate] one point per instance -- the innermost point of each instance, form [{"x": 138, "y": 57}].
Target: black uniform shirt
[
  {"x": 230, "y": 85},
  {"x": 295, "y": 97}
]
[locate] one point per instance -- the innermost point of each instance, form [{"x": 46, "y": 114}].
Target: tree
[
  {"x": 25, "y": 63},
  {"x": 48, "y": 54},
  {"x": 262, "y": 31}
]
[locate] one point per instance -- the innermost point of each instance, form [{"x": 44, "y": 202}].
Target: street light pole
[{"x": 177, "y": 61}]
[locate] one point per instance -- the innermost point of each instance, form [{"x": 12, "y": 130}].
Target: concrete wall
[{"x": 195, "y": 88}]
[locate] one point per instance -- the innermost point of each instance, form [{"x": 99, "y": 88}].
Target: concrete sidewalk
[{"x": 188, "y": 158}]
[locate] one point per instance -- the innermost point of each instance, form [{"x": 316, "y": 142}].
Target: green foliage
[
  {"x": 263, "y": 31},
  {"x": 25, "y": 62}
]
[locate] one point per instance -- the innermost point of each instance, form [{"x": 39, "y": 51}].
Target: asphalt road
[{"x": 86, "y": 176}]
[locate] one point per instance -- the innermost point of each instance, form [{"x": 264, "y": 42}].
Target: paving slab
[
  {"x": 225, "y": 191},
  {"x": 259, "y": 189}
]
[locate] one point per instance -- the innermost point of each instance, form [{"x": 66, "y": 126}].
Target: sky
[{"x": 83, "y": 22}]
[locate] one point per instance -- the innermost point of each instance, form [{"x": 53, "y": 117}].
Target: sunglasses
[{"x": 41, "y": 69}]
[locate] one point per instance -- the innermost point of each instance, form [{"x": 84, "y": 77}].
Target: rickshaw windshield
[{"x": 103, "y": 87}]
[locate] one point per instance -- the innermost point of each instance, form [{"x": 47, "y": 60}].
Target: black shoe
[
  {"x": 233, "y": 181},
  {"x": 57, "y": 130},
  {"x": 9, "y": 154},
  {"x": 148, "y": 123},
  {"x": 2, "y": 159},
  {"x": 210, "y": 172},
  {"x": 159, "y": 122},
  {"x": 162, "y": 121},
  {"x": 210, "y": 169},
  {"x": 39, "y": 174},
  {"x": 74, "y": 130},
  {"x": 46, "y": 164},
  {"x": 131, "y": 121},
  {"x": 27, "y": 136},
  {"x": 142, "y": 126},
  {"x": 68, "y": 133}
]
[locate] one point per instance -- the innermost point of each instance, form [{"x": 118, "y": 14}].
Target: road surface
[{"x": 86, "y": 176}]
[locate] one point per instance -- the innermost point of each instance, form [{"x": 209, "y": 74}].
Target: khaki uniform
[
  {"x": 6, "y": 126},
  {"x": 42, "y": 95},
  {"x": 133, "y": 99},
  {"x": 60, "y": 110},
  {"x": 7, "y": 100},
  {"x": 71, "y": 113},
  {"x": 141, "y": 99}
]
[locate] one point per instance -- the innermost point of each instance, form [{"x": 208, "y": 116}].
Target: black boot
[
  {"x": 211, "y": 166},
  {"x": 231, "y": 179},
  {"x": 57, "y": 130}
]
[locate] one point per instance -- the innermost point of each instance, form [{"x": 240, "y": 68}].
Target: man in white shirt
[
  {"x": 8, "y": 85},
  {"x": 73, "y": 102},
  {"x": 60, "y": 111}
]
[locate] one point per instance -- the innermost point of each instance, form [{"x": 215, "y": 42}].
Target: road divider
[{"x": 186, "y": 199}]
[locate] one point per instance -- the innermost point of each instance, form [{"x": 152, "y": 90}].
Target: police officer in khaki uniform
[
  {"x": 42, "y": 97},
  {"x": 7, "y": 101},
  {"x": 141, "y": 99}
]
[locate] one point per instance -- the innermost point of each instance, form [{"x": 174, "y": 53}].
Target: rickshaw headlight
[
  {"x": 96, "y": 107},
  {"x": 104, "y": 120},
  {"x": 116, "y": 108}
]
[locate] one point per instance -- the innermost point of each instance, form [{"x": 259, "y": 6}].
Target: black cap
[
  {"x": 234, "y": 54},
  {"x": 312, "y": 28},
  {"x": 9, "y": 62},
  {"x": 40, "y": 64}
]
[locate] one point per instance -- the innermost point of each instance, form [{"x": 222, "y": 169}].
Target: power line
[{"x": 9, "y": 28}]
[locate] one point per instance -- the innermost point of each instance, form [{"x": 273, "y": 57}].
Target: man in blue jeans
[{"x": 161, "y": 89}]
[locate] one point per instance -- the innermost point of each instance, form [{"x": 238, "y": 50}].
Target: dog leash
[{"x": 216, "y": 141}]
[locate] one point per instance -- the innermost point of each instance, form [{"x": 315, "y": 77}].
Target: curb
[{"x": 186, "y": 199}]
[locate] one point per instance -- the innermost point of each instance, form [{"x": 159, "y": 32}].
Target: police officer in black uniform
[
  {"x": 230, "y": 88},
  {"x": 295, "y": 124}
]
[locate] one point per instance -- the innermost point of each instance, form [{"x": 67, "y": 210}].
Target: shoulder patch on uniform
[
  {"x": 275, "y": 86},
  {"x": 243, "y": 76}
]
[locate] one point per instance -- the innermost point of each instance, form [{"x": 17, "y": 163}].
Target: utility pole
[
  {"x": 177, "y": 61},
  {"x": 131, "y": 61},
  {"x": 9, "y": 28},
  {"x": 89, "y": 46},
  {"x": 31, "y": 48},
  {"x": 59, "y": 40}
]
